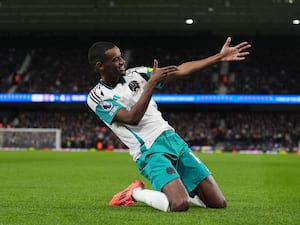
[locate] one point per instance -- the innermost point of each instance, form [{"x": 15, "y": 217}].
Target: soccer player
[{"x": 123, "y": 101}]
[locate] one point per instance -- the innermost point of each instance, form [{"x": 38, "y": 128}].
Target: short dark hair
[{"x": 97, "y": 51}]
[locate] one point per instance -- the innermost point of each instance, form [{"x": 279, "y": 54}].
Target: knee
[
  {"x": 220, "y": 204},
  {"x": 180, "y": 205},
  {"x": 223, "y": 204}
]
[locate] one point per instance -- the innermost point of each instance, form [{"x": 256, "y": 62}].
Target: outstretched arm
[
  {"x": 227, "y": 53},
  {"x": 136, "y": 113}
]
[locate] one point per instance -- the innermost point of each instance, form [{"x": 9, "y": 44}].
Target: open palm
[{"x": 235, "y": 53}]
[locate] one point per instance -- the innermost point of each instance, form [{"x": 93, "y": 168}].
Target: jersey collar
[{"x": 109, "y": 86}]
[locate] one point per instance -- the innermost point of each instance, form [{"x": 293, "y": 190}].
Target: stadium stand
[
  {"x": 66, "y": 70},
  {"x": 10, "y": 63},
  {"x": 268, "y": 70},
  {"x": 223, "y": 130}
]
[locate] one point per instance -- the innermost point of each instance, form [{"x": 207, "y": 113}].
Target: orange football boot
[{"x": 124, "y": 198}]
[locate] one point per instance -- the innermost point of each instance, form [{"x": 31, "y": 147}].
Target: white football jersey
[{"x": 106, "y": 101}]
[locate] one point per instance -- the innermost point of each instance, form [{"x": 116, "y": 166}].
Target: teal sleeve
[{"x": 107, "y": 110}]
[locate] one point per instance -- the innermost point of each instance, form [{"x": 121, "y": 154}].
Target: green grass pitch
[{"x": 70, "y": 188}]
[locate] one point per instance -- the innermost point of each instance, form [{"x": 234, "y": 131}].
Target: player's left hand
[
  {"x": 160, "y": 74},
  {"x": 235, "y": 53}
]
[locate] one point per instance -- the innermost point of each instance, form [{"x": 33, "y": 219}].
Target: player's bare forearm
[
  {"x": 136, "y": 113},
  {"x": 197, "y": 65}
]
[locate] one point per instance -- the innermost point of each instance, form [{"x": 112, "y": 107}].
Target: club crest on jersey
[
  {"x": 106, "y": 105},
  {"x": 134, "y": 86}
]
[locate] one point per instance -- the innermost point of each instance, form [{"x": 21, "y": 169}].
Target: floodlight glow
[
  {"x": 296, "y": 22},
  {"x": 189, "y": 21}
]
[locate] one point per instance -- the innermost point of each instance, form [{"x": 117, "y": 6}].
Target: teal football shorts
[{"x": 169, "y": 158}]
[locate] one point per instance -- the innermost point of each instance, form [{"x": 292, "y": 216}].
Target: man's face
[{"x": 114, "y": 63}]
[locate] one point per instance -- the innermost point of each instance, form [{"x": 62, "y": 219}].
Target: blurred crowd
[
  {"x": 268, "y": 70},
  {"x": 223, "y": 130}
]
